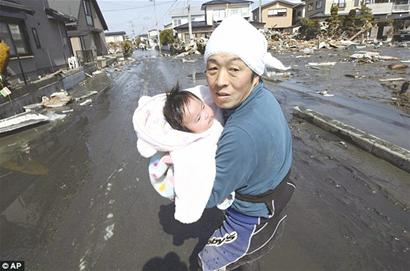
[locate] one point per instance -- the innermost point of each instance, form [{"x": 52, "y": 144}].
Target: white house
[
  {"x": 114, "y": 36},
  {"x": 179, "y": 16},
  {"x": 217, "y": 10}
]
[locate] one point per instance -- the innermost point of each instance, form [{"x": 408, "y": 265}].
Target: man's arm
[{"x": 235, "y": 162}]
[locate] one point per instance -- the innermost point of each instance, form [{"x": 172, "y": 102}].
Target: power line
[{"x": 132, "y": 8}]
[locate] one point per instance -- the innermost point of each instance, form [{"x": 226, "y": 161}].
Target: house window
[
  {"x": 219, "y": 14},
  {"x": 356, "y": 3},
  {"x": 10, "y": 32},
  {"x": 339, "y": 3},
  {"x": 177, "y": 22},
  {"x": 318, "y": 4},
  {"x": 277, "y": 12},
  {"x": 87, "y": 11},
  {"x": 310, "y": 6},
  {"x": 36, "y": 39},
  {"x": 245, "y": 12},
  {"x": 234, "y": 11}
]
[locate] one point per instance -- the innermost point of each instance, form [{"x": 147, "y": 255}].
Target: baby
[
  {"x": 185, "y": 111},
  {"x": 179, "y": 132}
]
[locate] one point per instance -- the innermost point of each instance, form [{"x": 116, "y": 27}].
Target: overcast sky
[{"x": 137, "y": 16}]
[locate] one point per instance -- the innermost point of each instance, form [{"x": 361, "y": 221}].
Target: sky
[{"x": 137, "y": 16}]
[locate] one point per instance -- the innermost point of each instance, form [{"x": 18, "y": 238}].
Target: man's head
[
  {"x": 235, "y": 57},
  {"x": 184, "y": 111}
]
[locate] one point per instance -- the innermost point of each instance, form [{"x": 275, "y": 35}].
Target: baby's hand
[{"x": 167, "y": 159}]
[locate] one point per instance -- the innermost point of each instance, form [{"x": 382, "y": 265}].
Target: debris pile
[{"x": 57, "y": 99}]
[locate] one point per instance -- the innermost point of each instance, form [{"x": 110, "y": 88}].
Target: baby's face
[{"x": 198, "y": 116}]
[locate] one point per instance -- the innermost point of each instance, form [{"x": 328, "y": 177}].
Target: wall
[
  {"x": 54, "y": 48},
  {"x": 212, "y": 11},
  {"x": 277, "y": 21}
]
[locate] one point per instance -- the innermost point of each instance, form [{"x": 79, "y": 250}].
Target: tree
[
  {"x": 365, "y": 17},
  {"x": 349, "y": 25},
  {"x": 309, "y": 29},
  {"x": 167, "y": 36},
  {"x": 334, "y": 21},
  {"x": 127, "y": 48}
]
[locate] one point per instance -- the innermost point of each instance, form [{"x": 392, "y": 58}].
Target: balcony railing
[{"x": 401, "y": 8}]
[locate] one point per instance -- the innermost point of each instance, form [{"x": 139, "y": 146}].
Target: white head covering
[{"x": 237, "y": 36}]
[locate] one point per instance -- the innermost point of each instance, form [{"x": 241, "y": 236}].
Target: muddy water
[
  {"x": 337, "y": 79},
  {"x": 75, "y": 195}
]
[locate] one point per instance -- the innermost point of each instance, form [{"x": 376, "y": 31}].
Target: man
[{"x": 254, "y": 152}]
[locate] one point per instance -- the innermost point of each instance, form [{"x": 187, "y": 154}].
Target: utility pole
[
  {"x": 156, "y": 22},
  {"x": 189, "y": 21},
  {"x": 260, "y": 11}
]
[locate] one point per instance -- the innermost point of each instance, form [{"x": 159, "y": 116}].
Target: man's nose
[{"x": 222, "y": 78}]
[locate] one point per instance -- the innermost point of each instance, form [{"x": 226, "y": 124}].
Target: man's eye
[{"x": 233, "y": 69}]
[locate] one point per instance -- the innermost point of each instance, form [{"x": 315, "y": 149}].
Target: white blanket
[{"x": 193, "y": 155}]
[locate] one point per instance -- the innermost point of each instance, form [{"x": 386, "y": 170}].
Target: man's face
[
  {"x": 198, "y": 116},
  {"x": 229, "y": 79}
]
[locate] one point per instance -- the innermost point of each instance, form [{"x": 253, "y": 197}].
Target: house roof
[
  {"x": 318, "y": 15},
  {"x": 217, "y": 2},
  {"x": 291, "y": 4},
  {"x": 72, "y": 8},
  {"x": 60, "y": 16},
  {"x": 13, "y": 6},
  {"x": 179, "y": 12},
  {"x": 118, "y": 33},
  {"x": 203, "y": 24},
  {"x": 195, "y": 24}
]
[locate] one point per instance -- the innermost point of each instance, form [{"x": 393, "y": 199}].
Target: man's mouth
[{"x": 222, "y": 94}]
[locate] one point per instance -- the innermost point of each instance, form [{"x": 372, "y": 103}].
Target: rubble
[
  {"x": 21, "y": 120},
  {"x": 397, "y": 66},
  {"x": 57, "y": 99},
  {"x": 325, "y": 93},
  {"x": 310, "y": 64},
  {"x": 391, "y": 79}
]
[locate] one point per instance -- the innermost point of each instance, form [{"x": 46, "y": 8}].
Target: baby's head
[{"x": 184, "y": 111}]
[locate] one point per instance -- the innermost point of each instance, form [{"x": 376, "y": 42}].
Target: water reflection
[{"x": 40, "y": 171}]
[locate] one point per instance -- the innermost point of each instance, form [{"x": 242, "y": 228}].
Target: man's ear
[{"x": 255, "y": 80}]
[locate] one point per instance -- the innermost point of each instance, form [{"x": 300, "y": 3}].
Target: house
[
  {"x": 199, "y": 30},
  {"x": 153, "y": 37},
  {"x": 280, "y": 14},
  {"x": 180, "y": 16},
  {"x": 217, "y": 10},
  {"x": 320, "y": 9},
  {"x": 383, "y": 11},
  {"x": 37, "y": 38},
  {"x": 380, "y": 8},
  {"x": 87, "y": 32},
  {"x": 114, "y": 36}
]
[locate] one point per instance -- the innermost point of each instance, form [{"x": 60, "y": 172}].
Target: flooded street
[{"x": 75, "y": 193}]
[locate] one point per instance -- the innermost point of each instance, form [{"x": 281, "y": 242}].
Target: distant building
[
  {"x": 87, "y": 32},
  {"x": 36, "y": 36},
  {"x": 180, "y": 16},
  {"x": 199, "y": 29},
  {"x": 380, "y": 8},
  {"x": 152, "y": 38},
  {"x": 217, "y": 10},
  {"x": 280, "y": 14},
  {"x": 115, "y": 36}
]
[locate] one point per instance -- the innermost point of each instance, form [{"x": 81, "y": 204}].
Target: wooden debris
[{"x": 397, "y": 66}]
